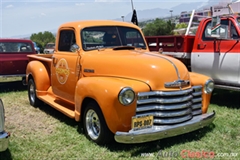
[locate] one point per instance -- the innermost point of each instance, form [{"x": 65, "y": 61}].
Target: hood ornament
[{"x": 177, "y": 83}]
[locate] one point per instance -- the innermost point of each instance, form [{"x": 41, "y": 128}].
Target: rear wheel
[
  {"x": 95, "y": 126},
  {"x": 34, "y": 101}
]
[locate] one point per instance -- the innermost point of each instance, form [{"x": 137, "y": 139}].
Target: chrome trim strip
[
  {"x": 167, "y": 114},
  {"x": 195, "y": 100},
  {"x": 175, "y": 120},
  {"x": 197, "y": 106},
  {"x": 162, "y": 93},
  {"x": 197, "y": 112},
  {"x": 164, "y": 100},
  {"x": 197, "y": 88},
  {"x": 163, "y": 107},
  {"x": 160, "y": 132},
  {"x": 197, "y": 94},
  {"x": 178, "y": 74}
]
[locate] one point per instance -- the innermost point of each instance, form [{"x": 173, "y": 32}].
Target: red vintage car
[{"x": 13, "y": 56}]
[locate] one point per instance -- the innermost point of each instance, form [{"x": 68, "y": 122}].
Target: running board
[
  {"x": 65, "y": 108},
  {"x": 233, "y": 88}
]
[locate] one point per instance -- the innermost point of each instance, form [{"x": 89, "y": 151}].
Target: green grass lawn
[{"x": 44, "y": 133}]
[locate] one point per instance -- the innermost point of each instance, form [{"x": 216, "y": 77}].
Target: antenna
[{"x": 132, "y": 5}]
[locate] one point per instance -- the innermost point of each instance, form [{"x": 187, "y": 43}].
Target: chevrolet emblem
[{"x": 177, "y": 83}]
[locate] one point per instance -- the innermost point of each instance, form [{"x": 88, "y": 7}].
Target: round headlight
[
  {"x": 126, "y": 96},
  {"x": 209, "y": 86}
]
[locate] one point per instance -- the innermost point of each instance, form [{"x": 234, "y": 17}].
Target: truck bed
[
  {"x": 174, "y": 43},
  {"x": 42, "y": 57}
]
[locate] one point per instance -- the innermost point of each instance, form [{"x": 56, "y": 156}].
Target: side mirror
[{"x": 74, "y": 48}]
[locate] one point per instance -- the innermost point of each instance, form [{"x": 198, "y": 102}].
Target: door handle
[
  {"x": 201, "y": 45},
  {"x": 54, "y": 59}
]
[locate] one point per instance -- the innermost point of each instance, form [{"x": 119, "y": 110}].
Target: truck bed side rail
[{"x": 172, "y": 43}]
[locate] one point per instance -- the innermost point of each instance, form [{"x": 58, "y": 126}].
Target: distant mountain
[{"x": 160, "y": 13}]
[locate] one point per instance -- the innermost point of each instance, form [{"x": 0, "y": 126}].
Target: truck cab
[{"x": 218, "y": 56}]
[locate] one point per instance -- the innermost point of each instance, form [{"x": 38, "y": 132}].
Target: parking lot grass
[{"x": 44, "y": 133}]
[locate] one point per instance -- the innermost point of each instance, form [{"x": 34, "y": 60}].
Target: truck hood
[{"x": 149, "y": 67}]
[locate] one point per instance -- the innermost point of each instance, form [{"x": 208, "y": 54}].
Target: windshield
[{"x": 111, "y": 36}]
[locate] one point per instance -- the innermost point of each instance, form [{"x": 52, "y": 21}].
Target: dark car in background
[
  {"x": 49, "y": 48},
  {"x": 13, "y": 57}
]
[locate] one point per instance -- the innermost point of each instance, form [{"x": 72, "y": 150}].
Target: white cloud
[
  {"x": 79, "y": 4},
  {"x": 42, "y": 14},
  {"x": 9, "y": 6}
]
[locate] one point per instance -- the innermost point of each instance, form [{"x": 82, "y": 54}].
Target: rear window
[
  {"x": 50, "y": 46},
  {"x": 6, "y": 47}
]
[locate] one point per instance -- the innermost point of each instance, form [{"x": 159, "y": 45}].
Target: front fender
[
  {"x": 105, "y": 90},
  {"x": 199, "y": 79},
  {"x": 40, "y": 74}
]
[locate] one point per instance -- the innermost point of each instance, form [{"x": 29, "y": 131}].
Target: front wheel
[
  {"x": 34, "y": 101},
  {"x": 95, "y": 126}
]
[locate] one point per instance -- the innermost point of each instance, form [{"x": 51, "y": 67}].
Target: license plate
[{"x": 142, "y": 122}]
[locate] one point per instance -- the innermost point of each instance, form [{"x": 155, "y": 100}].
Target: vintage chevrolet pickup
[{"x": 103, "y": 74}]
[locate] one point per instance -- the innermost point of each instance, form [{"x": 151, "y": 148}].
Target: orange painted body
[{"x": 68, "y": 80}]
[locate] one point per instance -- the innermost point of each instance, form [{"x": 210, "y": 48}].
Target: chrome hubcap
[
  {"x": 32, "y": 92},
  {"x": 93, "y": 124}
]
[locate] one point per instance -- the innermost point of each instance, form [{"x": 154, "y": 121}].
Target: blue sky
[{"x": 24, "y": 17}]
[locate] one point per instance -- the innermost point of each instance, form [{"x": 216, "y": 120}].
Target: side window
[
  {"x": 67, "y": 38},
  {"x": 207, "y": 32},
  {"x": 226, "y": 31}
]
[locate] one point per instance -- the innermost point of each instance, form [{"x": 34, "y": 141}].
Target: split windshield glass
[{"x": 111, "y": 36}]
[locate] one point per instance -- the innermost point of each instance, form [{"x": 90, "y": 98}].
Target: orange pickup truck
[{"x": 103, "y": 74}]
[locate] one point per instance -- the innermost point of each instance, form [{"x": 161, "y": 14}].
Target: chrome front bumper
[
  {"x": 160, "y": 132},
  {"x": 4, "y": 141}
]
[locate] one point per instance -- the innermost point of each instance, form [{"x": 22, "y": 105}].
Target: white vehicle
[
  {"x": 4, "y": 136},
  {"x": 49, "y": 48}
]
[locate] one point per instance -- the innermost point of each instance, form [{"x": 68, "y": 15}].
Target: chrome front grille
[{"x": 170, "y": 107}]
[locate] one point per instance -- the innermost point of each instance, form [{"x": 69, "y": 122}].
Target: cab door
[
  {"x": 218, "y": 58},
  {"x": 65, "y": 68}
]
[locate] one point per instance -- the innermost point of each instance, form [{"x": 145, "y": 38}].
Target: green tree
[
  {"x": 181, "y": 25},
  {"x": 159, "y": 27},
  {"x": 180, "y": 29},
  {"x": 42, "y": 39}
]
